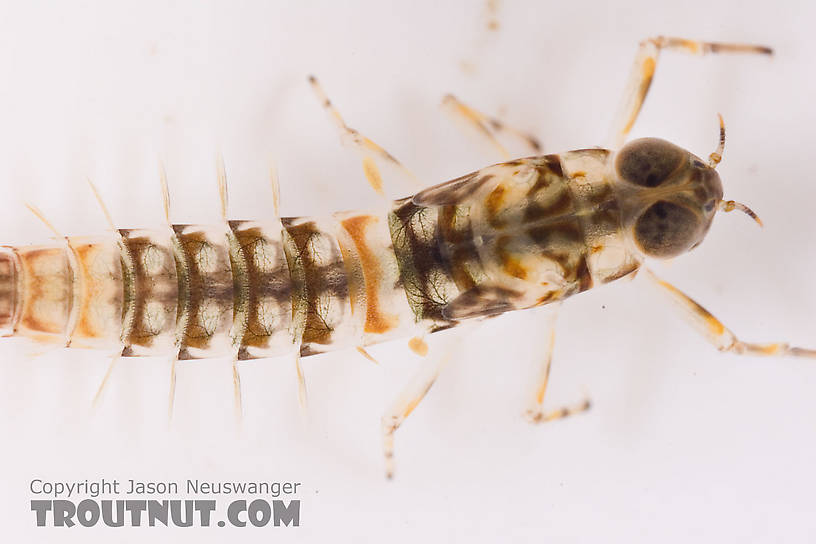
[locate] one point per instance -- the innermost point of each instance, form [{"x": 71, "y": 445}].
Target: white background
[{"x": 683, "y": 443}]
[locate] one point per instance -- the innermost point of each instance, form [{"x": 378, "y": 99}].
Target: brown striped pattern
[
  {"x": 263, "y": 292},
  {"x": 321, "y": 294},
  {"x": 151, "y": 293},
  {"x": 426, "y": 274}
]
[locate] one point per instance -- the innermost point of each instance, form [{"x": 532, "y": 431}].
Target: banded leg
[
  {"x": 409, "y": 399},
  {"x": 640, "y": 78},
  {"x": 368, "y": 149},
  {"x": 536, "y": 413},
  {"x": 488, "y": 127},
  {"x": 718, "y": 334}
]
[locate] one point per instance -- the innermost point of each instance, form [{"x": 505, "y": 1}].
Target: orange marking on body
[
  {"x": 510, "y": 263},
  {"x": 549, "y": 297},
  {"x": 648, "y": 68},
  {"x": 418, "y": 346},
  {"x": 767, "y": 349},
  {"x": 714, "y": 324},
  {"x": 46, "y": 290},
  {"x": 362, "y": 351},
  {"x": 647, "y": 73},
  {"x": 494, "y": 202},
  {"x": 513, "y": 267},
  {"x": 377, "y": 321},
  {"x": 84, "y": 327},
  {"x": 690, "y": 45},
  {"x": 540, "y": 393},
  {"x": 410, "y": 408},
  {"x": 415, "y": 402},
  {"x": 101, "y": 294},
  {"x": 45, "y": 338},
  {"x": 372, "y": 174}
]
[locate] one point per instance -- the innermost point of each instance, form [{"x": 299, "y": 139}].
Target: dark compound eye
[
  {"x": 649, "y": 162},
  {"x": 666, "y": 229}
]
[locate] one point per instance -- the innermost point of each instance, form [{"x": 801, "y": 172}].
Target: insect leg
[
  {"x": 362, "y": 351},
  {"x": 303, "y": 399},
  {"x": 640, "y": 78},
  {"x": 488, "y": 127},
  {"x": 718, "y": 334},
  {"x": 367, "y": 149},
  {"x": 409, "y": 398},
  {"x": 536, "y": 413}
]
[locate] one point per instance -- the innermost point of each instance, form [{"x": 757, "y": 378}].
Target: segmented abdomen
[
  {"x": 250, "y": 288},
  {"x": 509, "y": 236}
]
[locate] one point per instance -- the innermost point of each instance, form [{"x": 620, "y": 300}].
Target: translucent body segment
[
  {"x": 459, "y": 248},
  {"x": 379, "y": 306},
  {"x": 46, "y": 293},
  {"x": 263, "y": 301},
  {"x": 320, "y": 286},
  {"x": 425, "y": 274},
  {"x": 151, "y": 293},
  {"x": 609, "y": 254},
  {"x": 206, "y": 296},
  {"x": 98, "y": 291},
  {"x": 10, "y": 303},
  {"x": 534, "y": 241},
  {"x": 512, "y": 235},
  {"x": 501, "y": 238}
]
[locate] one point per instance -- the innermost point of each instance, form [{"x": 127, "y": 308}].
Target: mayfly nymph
[{"x": 519, "y": 234}]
